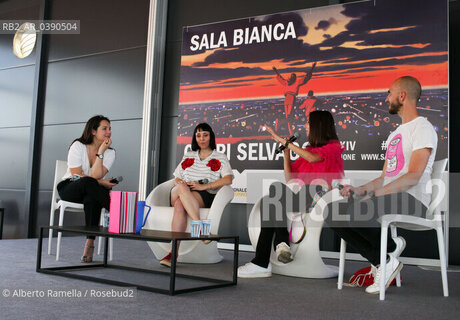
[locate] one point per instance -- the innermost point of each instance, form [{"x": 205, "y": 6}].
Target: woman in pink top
[
  {"x": 291, "y": 90},
  {"x": 318, "y": 164}
]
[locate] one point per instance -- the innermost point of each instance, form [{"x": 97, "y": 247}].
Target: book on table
[{"x": 123, "y": 207}]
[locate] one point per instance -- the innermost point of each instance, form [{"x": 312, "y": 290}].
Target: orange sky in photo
[
  {"x": 390, "y": 52},
  {"x": 429, "y": 75}
]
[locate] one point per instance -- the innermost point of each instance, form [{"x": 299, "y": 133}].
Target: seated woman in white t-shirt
[
  {"x": 199, "y": 175},
  {"x": 89, "y": 159}
]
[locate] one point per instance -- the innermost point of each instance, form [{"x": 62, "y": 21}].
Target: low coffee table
[{"x": 145, "y": 235}]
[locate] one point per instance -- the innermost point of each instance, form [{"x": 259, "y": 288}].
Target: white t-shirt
[
  {"x": 214, "y": 167},
  {"x": 408, "y": 137},
  {"x": 78, "y": 157}
]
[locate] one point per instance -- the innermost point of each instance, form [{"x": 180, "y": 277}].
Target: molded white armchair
[
  {"x": 433, "y": 221},
  {"x": 63, "y": 206},
  {"x": 161, "y": 215},
  {"x": 307, "y": 261}
]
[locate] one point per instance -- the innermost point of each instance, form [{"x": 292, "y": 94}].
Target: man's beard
[{"x": 395, "y": 107}]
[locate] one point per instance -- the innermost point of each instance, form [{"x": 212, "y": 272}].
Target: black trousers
[
  {"x": 86, "y": 190},
  {"x": 362, "y": 230},
  {"x": 280, "y": 199},
  {"x": 264, "y": 244}
]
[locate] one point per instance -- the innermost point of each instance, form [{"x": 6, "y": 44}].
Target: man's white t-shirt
[
  {"x": 408, "y": 137},
  {"x": 78, "y": 157},
  {"x": 214, "y": 167}
]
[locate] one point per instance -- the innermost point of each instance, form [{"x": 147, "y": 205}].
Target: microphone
[{"x": 291, "y": 139}]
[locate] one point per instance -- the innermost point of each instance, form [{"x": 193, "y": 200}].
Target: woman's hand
[
  {"x": 196, "y": 186},
  {"x": 106, "y": 183},
  {"x": 275, "y": 136},
  {"x": 104, "y": 146}
]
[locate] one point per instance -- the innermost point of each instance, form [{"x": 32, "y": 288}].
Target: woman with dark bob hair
[
  {"x": 88, "y": 161},
  {"x": 318, "y": 164},
  {"x": 199, "y": 176}
]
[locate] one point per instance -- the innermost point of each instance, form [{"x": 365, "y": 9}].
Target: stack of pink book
[{"x": 123, "y": 206}]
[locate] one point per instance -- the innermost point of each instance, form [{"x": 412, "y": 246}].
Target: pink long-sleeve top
[{"x": 328, "y": 169}]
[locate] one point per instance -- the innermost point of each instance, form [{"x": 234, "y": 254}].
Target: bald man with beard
[{"x": 400, "y": 189}]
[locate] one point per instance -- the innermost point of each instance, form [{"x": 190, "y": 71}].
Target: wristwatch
[
  {"x": 100, "y": 156},
  {"x": 371, "y": 194}
]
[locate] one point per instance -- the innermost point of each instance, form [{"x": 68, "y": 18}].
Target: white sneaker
[
  {"x": 373, "y": 270},
  {"x": 251, "y": 270},
  {"x": 400, "y": 246},
  {"x": 393, "y": 267},
  {"x": 283, "y": 253}
]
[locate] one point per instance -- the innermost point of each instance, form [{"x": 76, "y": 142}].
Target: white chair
[
  {"x": 161, "y": 215},
  {"x": 307, "y": 261},
  {"x": 57, "y": 203},
  {"x": 433, "y": 221}
]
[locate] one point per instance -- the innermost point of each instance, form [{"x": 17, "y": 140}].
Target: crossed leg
[{"x": 185, "y": 202}]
